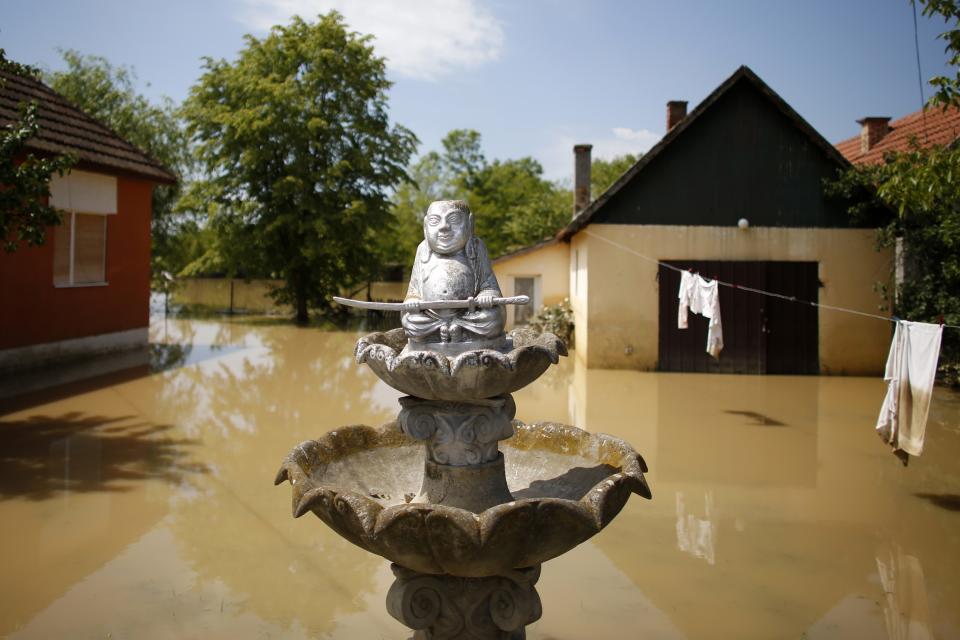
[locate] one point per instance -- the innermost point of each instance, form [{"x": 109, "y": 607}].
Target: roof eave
[{"x": 159, "y": 175}]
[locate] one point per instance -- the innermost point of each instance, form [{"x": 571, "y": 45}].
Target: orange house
[{"x": 87, "y": 289}]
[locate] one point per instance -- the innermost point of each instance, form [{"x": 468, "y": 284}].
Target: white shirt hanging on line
[
  {"x": 910, "y": 373},
  {"x": 700, "y": 296},
  {"x": 687, "y": 283}
]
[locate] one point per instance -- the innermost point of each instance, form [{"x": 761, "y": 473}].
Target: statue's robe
[{"x": 453, "y": 277}]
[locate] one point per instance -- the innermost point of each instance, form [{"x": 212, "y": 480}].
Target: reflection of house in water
[
  {"x": 754, "y": 431},
  {"x": 793, "y": 543},
  {"x": 905, "y": 609},
  {"x": 769, "y": 493},
  {"x": 696, "y": 535}
]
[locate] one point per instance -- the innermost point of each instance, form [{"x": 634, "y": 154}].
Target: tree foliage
[
  {"x": 298, "y": 154},
  {"x": 922, "y": 187},
  {"x": 603, "y": 173},
  {"x": 513, "y": 204},
  {"x": 947, "y": 88},
  {"x": 409, "y": 204},
  {"x": 109, "y": 94},
  {"x": 24, "y": 176}
]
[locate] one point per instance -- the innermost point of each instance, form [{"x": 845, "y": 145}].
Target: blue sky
[{"x": 533, "y": 76}]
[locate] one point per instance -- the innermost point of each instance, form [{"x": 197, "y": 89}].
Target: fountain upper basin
[
  {"x": 568, "y": 484},
  {"x": 472, "y": 374}
]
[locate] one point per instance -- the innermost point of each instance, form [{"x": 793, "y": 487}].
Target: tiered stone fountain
[{"x": 466, "y": 502}]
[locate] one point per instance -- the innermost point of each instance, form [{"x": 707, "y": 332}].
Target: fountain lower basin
[{"x": 567, "y": 485}]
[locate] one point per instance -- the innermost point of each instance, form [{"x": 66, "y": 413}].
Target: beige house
[
  {"x": 734, "y": 191},
  {"x": 538, "y": 271}
]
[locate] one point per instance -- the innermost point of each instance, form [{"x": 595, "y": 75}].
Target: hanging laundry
[
  {"x": 687, "y": 284},
  {"x": 911, "y": 369},
  {"x": 700, "y": 296}
]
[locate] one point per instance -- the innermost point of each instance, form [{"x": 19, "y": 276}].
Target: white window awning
[{"x": 84, "y": 192}]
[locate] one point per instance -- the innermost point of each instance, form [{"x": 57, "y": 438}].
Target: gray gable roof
[{"x": 743, "y": 74}]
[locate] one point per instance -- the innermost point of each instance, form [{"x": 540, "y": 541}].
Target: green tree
[
  {"x": 409, "y": 204},
  {"x": 513, "y": 204},
  {"x": 24, "y": 218},
  {"x": 462, "y": 157},
  {"x": 109, "y": 94},
  {"x": 604, "y": 173},
  {"x": 947, "y": 88},
  {"x": 298, "y": 149},
  {"x": 922, "y": 187}
]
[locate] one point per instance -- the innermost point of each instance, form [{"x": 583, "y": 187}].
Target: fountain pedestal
[
  {"x": 463, "y": 466},
  {"x": 444, "y": 607}
]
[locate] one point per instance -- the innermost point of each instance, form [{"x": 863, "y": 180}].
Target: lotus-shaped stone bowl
[
  {"x": 568, "y": 484},
  {"x": 472, "y": 374}
]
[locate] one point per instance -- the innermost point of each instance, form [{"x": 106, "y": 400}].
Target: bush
[{"x": 556, "y": 319}]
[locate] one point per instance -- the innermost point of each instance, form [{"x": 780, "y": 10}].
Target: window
[
  {"x": 80, "y": 250},
  {"x": 525, "y": 286},
  {"x": 80, "y": 242},
  {"x": 578, "y": 274}
]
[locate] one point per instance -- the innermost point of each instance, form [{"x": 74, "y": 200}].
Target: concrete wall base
[{"x": 41, "y": 355}]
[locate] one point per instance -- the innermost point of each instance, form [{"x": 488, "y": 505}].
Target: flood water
[{"x": 141, "y": 505}]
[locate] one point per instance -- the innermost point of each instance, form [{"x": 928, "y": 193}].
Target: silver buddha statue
[{"x": 452, "y": 264}]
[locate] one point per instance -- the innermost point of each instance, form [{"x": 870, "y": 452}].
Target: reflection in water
[
  {"x": 695, "y": 535},
  {"x": 155, "y": 491},
  {"x": 758, "y": 418},
  {"x": 905, "y": 596},
  {"x": 948, "y": 501},
  {"x": 73, "y": 452}
]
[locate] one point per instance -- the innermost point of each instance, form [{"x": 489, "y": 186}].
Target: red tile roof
[
  {"x": 933, "y": 126},
  {"x": 63, "y": 128}
]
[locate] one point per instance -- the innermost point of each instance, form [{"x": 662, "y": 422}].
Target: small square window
[{"x": 524, "y": 287}]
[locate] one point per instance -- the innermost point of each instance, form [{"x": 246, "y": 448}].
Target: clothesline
[{"x": 751, "y": 289}]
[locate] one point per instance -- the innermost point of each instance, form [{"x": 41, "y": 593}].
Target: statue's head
[{"x": 448, "y": 226}]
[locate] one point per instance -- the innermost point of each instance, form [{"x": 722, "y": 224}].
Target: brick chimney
[
  {"x": 581, "y": 177},
  {"x": 872, "y": 131},
  {"x": 676, "y": 111}
]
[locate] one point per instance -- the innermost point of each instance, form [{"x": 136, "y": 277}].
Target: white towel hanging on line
[{"x": 910, "y": 373}]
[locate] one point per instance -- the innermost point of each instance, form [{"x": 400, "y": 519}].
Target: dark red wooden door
[{"x": 761, "y": 334}]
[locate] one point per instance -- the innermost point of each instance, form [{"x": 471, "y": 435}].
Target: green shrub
[{"x": 556, "y": 319}]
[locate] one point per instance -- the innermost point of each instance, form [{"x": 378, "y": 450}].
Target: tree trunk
[{"x": 300, "y": 296}]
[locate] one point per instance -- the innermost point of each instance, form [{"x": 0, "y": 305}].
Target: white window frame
[
  {"x": 73, "y": 241},
  {"x": 537, "y": 302},
  {"x": 84, "y": 193}
]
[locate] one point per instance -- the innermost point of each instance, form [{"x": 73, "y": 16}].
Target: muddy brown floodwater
[{"x": 141, "y": 505}]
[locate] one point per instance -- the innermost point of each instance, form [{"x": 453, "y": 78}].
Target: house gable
[
  {"x": 741, "y": 158},
  {"x": 742, "y": 153}
]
